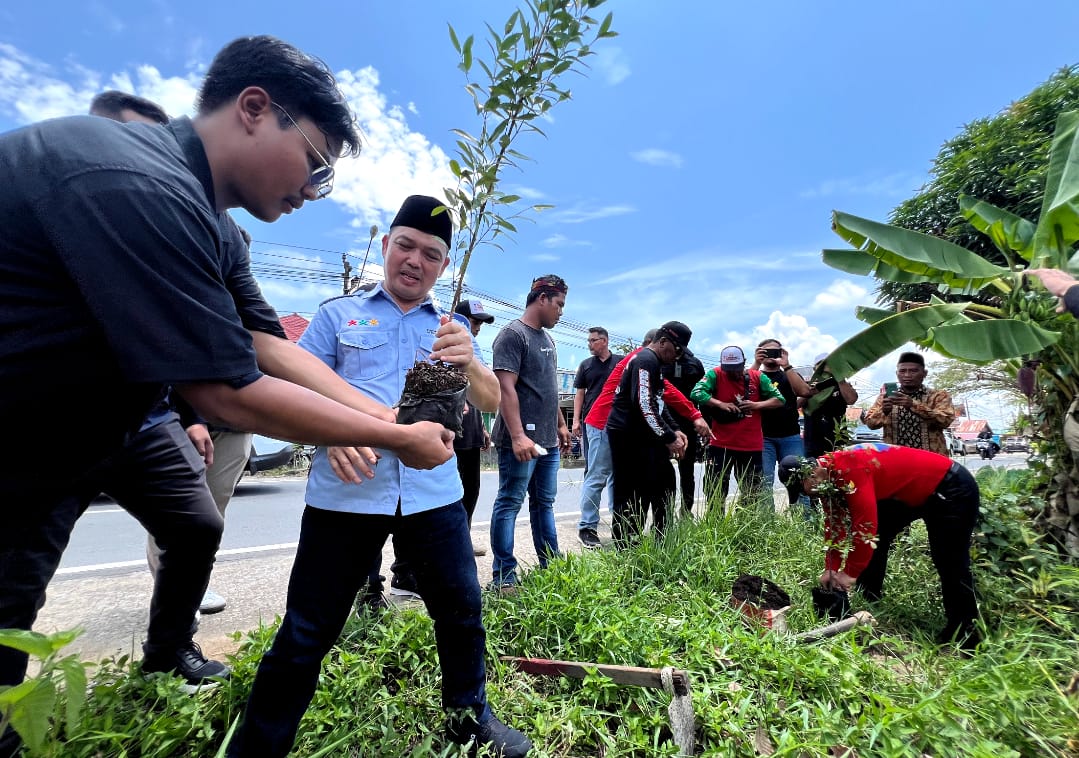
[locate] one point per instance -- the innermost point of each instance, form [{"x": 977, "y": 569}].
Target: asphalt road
[{"x": 103, "y": 585}]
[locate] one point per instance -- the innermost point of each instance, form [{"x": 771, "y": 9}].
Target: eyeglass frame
[{"x": 324, "y": 186}]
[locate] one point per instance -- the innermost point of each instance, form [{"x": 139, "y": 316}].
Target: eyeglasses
[
  {"x": 596, "y": 339},
  {"x": 322, "y": 177}
]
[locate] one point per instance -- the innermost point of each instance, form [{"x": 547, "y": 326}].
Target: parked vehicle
[
  {"x": 1015, "y": 445},
  {"x": 268, "y": 453},
  {"x": 863, "y": 433}
]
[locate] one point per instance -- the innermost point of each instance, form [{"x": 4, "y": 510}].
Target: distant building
[{"x": 294, "y": 325}]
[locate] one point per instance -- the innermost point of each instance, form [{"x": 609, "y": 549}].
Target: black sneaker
[
  {"x": 504, "y": 741},
  {"x": 589, "y": 538},
  {"x": 190, "y": 664}
]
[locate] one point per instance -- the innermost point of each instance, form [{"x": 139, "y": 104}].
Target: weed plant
[{"x": 882, "y": 691}]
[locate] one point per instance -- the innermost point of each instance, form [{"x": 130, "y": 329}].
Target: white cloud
[
  {"x": 579, "y": 214},
  {"x": 655, "y": 157},
  {"x": 31, "y": 90},
  {"x": 396, "y": 161},
  {"x": 612, "y": 63},
  {"x": 899, "y": 184},
  {"x": 841, "y": 293},
  {"x": 413, "y": 109},
  {"x": 528, "y": 193},
  {"x": 561, "y": 240}
]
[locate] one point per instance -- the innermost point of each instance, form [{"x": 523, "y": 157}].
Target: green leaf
[
  {"x": 39, "y": 645},
  {"x": 29, "y": 715},
  {"x": 507, "y": 199},
  {"x": 872, "y": 315},
  {"x": 1058, "y": 225},
  {"x": 1009, "y": 232},
  {"x": 605, "y": 27},
  {"x": 861, "y": 263},
  {"x": 453, "y": 38},
  {"x": 466, "y": 54},
  {"x": 990, "y": 339},
  {"x": 74, "y": 672},
  {"x": 917, "y": 253},
  {"x": 455, "y": 167},
  {"x": 873, "y": 343}
]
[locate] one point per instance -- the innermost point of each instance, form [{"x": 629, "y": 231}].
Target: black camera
[{"x": 773, "y": 352}]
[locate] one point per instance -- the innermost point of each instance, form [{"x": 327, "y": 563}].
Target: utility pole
[{"x": 345, "y": 277}]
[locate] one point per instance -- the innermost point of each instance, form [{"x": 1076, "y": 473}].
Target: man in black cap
[
  {"x": 371, "y": 339},
  {"x": 643, "y": 436},
  {"x": 474, "y": 436}
]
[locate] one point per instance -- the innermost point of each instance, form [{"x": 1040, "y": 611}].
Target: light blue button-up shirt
[{"x": 371, "y": 344}]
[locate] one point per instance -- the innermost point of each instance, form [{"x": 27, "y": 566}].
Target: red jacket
[
  {"x": 874, "y": 472},
  {"x": 601, "y": 409}
]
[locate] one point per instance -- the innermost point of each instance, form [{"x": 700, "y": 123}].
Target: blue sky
[{"x": 693, "y": 173}]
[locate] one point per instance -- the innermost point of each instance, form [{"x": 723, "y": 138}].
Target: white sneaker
[{"x": 211, "y": 603}]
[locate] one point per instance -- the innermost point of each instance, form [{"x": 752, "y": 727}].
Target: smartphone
[
  {"x": 773, "y": 352},
  {"x": 890, "y": 388}
]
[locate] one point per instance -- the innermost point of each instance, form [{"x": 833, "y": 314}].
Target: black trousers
[
  {"x": 468, "y": 466},
  {"x": 950, "y": 515},
  {"x": 330, "y": 567},
  {"x": 159, "y": 479},
  {"x": 643, "y": 479},
  {"x": 685, "y": 467},
  {"x": 722, "y": 462}
]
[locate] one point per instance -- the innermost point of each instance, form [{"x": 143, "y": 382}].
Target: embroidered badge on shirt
[{"x": 363, "y": 322}]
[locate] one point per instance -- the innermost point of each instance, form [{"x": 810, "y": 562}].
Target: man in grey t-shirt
[{"x": 530, "y": 429}]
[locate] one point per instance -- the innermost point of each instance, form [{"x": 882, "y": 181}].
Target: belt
[{"x": 952, "y": 473}]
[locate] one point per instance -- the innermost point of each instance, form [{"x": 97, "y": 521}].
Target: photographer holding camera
[
  {"x": 733, "y": 397},
  {"x": 912, "y": 414},
  {"x": 782, "y": 435}
]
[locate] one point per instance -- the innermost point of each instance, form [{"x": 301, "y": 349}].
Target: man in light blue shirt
[{"x": 356, "y": 497}]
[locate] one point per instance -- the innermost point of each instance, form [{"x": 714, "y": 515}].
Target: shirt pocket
[{"x": 366, "y": 355}]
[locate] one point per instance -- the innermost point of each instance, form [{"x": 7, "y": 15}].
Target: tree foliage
[
  {"x": 1002, "y": 160},
  {"x": 513, "y": 89}
]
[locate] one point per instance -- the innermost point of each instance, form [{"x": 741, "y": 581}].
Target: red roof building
[{"x": 294, "y": 325}]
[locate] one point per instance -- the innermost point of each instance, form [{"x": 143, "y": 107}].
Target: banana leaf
[
  {"x": 861, "y": 263},
  {"x": 1058, "y": 225},
  {"x": 917, "y": 253},
  {"x": 989, "y": 340},
  {"x": 876, "y": 341},
  {"x": 1009, "y": 232},
  {"x": 872, "y": 315}
]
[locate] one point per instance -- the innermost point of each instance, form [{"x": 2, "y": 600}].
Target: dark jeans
[
  {"x": 643, "y": 479},
  {"x": 722, "y": 462},
  {"x": 160, "y": 480},
  {"x": 950, "y": 515},
  {"x": 332, "y": 561}
]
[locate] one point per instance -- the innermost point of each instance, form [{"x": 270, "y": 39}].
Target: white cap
[{"x": 732, "y": 355}]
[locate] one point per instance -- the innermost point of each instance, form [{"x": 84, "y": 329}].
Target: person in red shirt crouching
[{"x": 870, "y": 493}]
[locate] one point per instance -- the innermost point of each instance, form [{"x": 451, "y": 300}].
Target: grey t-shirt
[{"x": 529, "y": 353}]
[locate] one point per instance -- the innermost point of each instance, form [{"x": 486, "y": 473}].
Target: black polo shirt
[
  {"x": 112, "y": 281},
  {"x": 591, "y": 376}
]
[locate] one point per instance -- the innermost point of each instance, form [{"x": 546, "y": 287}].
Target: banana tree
[{"x": 983, "y": 312}]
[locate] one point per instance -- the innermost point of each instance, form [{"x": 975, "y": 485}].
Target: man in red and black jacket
[
  {"x": 872, "y": 492},
  {"x": 643, "y": 436}
]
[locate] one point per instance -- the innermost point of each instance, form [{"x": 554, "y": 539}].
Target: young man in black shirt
[
  {"x": 643, "y": 436},
  {"x": 111, "y": 287}
]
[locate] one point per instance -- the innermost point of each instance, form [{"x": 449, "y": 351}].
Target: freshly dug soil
[
  {"x": 433, "y": 392},
  {"x": 758, "y": 591},
  {"x": 432, "y": 378}
]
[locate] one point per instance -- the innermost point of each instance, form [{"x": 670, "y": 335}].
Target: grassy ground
[{"x": 885, "y": 691}]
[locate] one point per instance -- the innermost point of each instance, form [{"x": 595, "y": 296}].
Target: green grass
[{"x": 886, "y": 691}]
